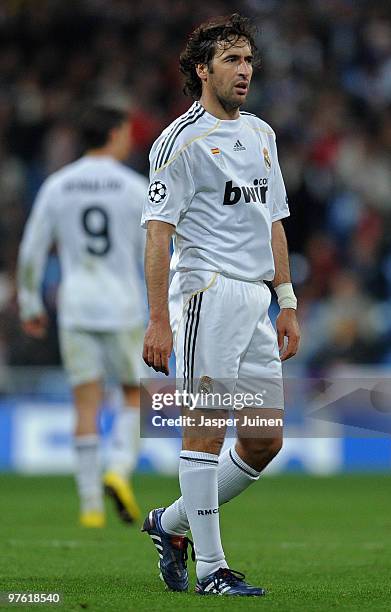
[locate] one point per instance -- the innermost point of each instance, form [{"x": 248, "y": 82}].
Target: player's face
[{"x": 230, "y": 72}]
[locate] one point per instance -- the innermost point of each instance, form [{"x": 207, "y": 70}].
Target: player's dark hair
[
  {"x": 202, "y": 44},
  {"x": 96, "y": 124}
]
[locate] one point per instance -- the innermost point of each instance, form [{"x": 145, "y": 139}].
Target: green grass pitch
[{"x": 316, "y": 544}]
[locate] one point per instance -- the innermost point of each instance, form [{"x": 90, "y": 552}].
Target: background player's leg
[
  {"x": 123, "y": 350},
  {"x": 123, "y": 454},
  {"x": 125, "y": 438},
  {"x": 87, "y": 398},
  {"x": 81, "y": 355}
]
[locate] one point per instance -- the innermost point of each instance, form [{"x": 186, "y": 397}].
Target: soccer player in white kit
[
  {"x": 217, "y": 188},
  {"x": 91, "y": 210}
]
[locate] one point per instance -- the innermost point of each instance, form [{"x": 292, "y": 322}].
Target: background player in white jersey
[
  {"x": 216, "y": 187},
  {"x": 91, "y": 210}
]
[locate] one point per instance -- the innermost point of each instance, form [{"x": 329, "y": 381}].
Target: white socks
[
  {"x": 198, "y": 481},
  {"x": 123, "y": 452},
  {"x": 233, "y": 477},
  {"x": 88, "y": 473},
  {"x": 125, "y": 442}
]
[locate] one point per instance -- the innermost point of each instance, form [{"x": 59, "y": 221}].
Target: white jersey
[
  {"x": 91, "y": 209},
  {"x": 219, "y": 182}
]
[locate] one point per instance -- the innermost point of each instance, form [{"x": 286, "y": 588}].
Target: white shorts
[
  {"x": 90, "y": 355},
  {"x": 222, "y": 331}
]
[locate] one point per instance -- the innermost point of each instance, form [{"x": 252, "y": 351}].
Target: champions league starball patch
[{"x": 157, "y": 192}]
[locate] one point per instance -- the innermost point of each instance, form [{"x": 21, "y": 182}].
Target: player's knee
[
  {"x": 258, "y": 452},
  {"x": 273, "y": 446},
  {"x": 258, "y": 446},
  {"x": 270, "y": 447}
]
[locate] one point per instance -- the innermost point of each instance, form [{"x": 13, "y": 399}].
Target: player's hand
[
  {"x": 158, "y": 345},
  {"x": 288, "y": 327},
  {"x": 36, "y": 327}
]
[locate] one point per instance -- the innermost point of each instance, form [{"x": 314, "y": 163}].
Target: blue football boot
[
  {"x": 172, "y": 551},
  {"x": 227, "y": 582}
]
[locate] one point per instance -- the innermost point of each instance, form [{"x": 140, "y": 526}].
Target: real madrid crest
[
  {"x": 266, "y": 158},
  {"x": 205, "y": 385}
]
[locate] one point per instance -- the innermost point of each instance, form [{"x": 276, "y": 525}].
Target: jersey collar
[{"x": 211, "y": 118}]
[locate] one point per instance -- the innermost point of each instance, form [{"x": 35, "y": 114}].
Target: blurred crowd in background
[{"x": 324, "y": 84}]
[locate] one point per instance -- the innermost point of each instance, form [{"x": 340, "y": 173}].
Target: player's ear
[{"x": 202, "y": 71}]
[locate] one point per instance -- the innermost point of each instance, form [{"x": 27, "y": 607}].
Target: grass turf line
[{"x": 314, "y": 543}]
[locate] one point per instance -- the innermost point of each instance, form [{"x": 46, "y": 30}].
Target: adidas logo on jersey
[
  {"x": 251, "y": 193},
  {"x": 238, "y": 146}
]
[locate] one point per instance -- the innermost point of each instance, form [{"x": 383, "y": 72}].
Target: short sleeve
[
  {"x": 170, "y": 191},
  {"x": 280, "y": 208}
]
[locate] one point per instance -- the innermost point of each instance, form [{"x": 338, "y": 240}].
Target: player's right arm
[
  {"x": 158, "y": 337},
  {"x": 33, "y": 250},
  {"x": 169, "y": 195}
]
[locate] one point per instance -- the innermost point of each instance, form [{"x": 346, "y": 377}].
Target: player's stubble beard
[{"x": 227, "y": 102}]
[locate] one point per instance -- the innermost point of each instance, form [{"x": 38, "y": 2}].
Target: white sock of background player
[
  {"x": 198, "y": 481},
  {"x": 233, "y": 477},
  {"x": 125, "y": 442},
  {"x": 88, "y": 473}
]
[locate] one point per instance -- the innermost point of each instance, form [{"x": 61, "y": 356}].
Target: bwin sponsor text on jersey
[{"x": 250, "y": 193}]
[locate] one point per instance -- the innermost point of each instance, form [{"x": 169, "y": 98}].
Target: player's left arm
[
  {"x": 37, "y": 238},
  {"x": 287, "y": 324}
]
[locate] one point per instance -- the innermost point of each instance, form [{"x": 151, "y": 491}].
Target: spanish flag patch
[{"x": 215, "y": 150}]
